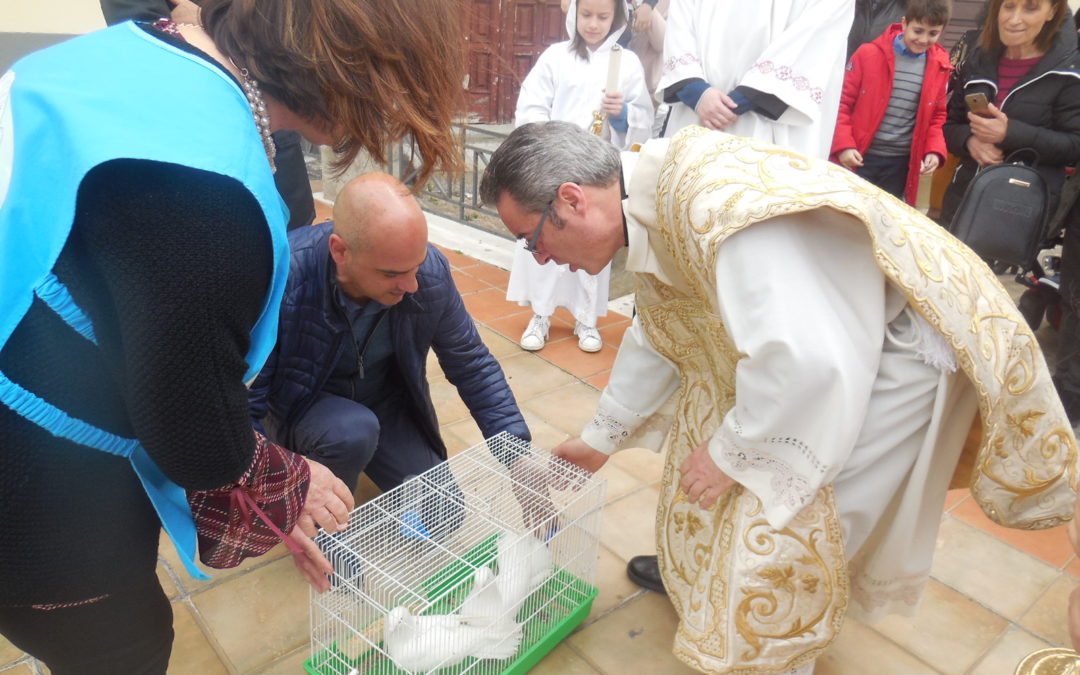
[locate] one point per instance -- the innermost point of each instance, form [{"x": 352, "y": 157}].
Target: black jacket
[
  {"x": 312, "y": 337},
  {"x": 1043, "y": 109}
]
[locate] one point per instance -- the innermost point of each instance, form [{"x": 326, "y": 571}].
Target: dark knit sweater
[{"x": 172, "y": 266}]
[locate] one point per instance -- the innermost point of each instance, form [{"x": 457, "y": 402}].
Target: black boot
[{"x": 644, "y": 570}]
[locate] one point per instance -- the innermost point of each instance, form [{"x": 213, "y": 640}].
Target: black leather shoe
[{"x": 644, "y": 571}]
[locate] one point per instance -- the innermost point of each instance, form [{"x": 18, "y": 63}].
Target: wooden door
[
  {"x": 529, "y": 27},
  {"x": 483, "y": 27}
]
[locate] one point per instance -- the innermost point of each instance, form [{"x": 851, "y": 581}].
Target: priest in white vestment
[
  {"x": 813, "y": 352},
  {"x": 768, "y": 69}
]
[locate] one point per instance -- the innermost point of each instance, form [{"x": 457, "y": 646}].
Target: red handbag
[{"x": 248, "y": 518}]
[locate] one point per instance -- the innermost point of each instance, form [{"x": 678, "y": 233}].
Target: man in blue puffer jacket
[{"x": 366, "y": 298}]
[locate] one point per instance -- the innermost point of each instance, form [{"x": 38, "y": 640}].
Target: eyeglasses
[{"x": 530, "y": 245}]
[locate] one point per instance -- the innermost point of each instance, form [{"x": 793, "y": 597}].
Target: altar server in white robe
[
  {"x": 813, "y": 412},
  {"x": 568, "y": 83},
  {"x": 768, "y": 69}
]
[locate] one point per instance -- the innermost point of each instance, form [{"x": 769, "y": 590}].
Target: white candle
[{"x": 613, "y": 70}]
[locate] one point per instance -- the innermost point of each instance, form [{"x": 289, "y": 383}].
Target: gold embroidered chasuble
[{"x": 756, "y": 600}]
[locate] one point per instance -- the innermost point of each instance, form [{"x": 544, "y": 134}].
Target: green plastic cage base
[{"x": 562, "y": 588}]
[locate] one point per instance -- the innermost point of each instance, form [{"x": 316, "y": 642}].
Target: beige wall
[{"x": 50, "y": 16}]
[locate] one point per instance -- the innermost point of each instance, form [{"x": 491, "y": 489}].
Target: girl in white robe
[{"x": 567, "y": 83}]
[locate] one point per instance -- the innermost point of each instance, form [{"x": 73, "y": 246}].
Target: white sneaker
[
  {"x": 536, "y": 333},
  {"x": 588, "y": 338}
]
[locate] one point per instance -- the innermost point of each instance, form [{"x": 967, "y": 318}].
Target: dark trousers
[
  {"x": 348, "y": 438},
  {"x": 127, "y": 632},
  {"x": 888, "y": 173},
  {"x": 384, "y": 442}
]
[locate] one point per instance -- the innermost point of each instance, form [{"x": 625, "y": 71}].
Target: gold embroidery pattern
[
  {"x": 754, "y": 600},
  {"x": 741, "y": 609}
]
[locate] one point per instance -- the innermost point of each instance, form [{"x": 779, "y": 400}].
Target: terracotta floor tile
[
  {"x": 1047, "y": 617},
  {"x": 613, "y": 334},
  {"x": 466, "y": 283},
  {"x": 448, "y": 404},
  {"x": 563, "y": 660},
  {"x": 635, "y": 639},
  {"x": 1073, "y": 567},
  {"x": 1007, "y": 652},
  {"x": 1050, "y": 545},
  {"x": 567, "y": 355},
  {"x": 954, "y": 497},
  {"x": 858, "y": 645},
  {"x": 980, "y": 566},
  {"x": 513, "y": 325},
  {"x": 458, "y": 259},
  {"x": 615, "y": 586},
  {"x": 22, "y": 669},
  {"x": 646, "y": 465},
  {"x": 187, "y": 584},
  {"x": 192, "y": 653},
  {"x": 486, "y": 306},
  {"x": 600, "y": 380},
  {"x": 629, "y": 524},
  {"x": 465, "y": 434},
  {"x": 498, "y": 345},
  {"x": 290, "y": 664},
  {"x": 530, "y": 376},
  {"x": 258, "y": 617},
  {"x": 495, "y": 276},
  {"x": 949, "y": 632},
  {"x": 168, "y": 584},
  {"x": 544, "y": 435},
  {"x": 568, "y": 408},
  {"x": 619, "y": 482}
]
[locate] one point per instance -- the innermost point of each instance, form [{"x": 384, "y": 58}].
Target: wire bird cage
[{"x": 480, "y": 565}]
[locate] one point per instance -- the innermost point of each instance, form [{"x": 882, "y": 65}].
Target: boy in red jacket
[{"x": 888, "y": 128}]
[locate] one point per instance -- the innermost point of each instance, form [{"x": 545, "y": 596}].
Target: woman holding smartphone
[
  {"x": 1027, "y": 67},
  {"x": 1027, "y": 71}
]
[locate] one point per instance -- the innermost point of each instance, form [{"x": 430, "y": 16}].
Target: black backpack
[{"x": 1003, "y": 213}]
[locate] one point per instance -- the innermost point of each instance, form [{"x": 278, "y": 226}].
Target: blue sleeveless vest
[{"x": 65, "y": 110}]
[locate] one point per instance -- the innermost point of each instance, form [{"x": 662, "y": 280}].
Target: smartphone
[{"x": 977, "y": 104}]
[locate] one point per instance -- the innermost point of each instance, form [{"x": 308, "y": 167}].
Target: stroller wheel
[{"x": 1032, "y": 306}]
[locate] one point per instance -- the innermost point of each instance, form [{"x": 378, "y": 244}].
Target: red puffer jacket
[{"x": 867, "y": 87}]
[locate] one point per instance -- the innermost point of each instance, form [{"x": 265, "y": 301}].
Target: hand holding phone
[{"x": 978, "y": 104}]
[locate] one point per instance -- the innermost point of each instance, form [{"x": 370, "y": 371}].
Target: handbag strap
[{"x": 1013, "y": 157}]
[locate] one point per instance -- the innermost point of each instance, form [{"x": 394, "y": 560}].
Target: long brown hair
[
  {"x": 618, "y": 20},
  {"x": 990, "y": 39},
  {"x": 378, "y": 69}
]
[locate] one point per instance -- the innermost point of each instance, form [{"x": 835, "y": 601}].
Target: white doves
[
  {"x": 423, "y": 643},
  {"x": 484, "y": 605},
  {"x": 524, "y": 564}
]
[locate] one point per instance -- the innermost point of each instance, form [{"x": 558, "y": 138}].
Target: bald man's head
[{"x": 379, "y": 239}]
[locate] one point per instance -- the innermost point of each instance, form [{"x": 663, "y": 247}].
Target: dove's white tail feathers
[{"x": 524, "y": 565}]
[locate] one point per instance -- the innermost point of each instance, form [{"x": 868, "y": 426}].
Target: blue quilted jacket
[{"x": 313, "y": 333}]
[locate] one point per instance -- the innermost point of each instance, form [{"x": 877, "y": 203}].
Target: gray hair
[{"x": 538, "y": 157}]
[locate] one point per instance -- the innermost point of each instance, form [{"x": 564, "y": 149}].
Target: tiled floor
[{"x": 996, "y": 594}]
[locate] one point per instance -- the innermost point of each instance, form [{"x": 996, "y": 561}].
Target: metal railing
[{"x": 450, "y": 195}]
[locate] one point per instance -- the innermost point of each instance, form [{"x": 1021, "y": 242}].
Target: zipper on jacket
[{"x": 360, "y": 352}]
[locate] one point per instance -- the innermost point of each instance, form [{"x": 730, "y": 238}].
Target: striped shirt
[{"x": 893, "y": 137}]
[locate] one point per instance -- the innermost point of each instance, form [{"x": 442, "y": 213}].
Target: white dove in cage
[
  {"x": 484, "y": 605},
  {"x": 524, "y": 564},
  {"x": 422, "y": 643}
]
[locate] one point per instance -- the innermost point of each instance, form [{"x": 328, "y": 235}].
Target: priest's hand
[
  {"x": 581, "y": 455},
  {"x": 715, "y": 109},
  {"x": 703, "y": 481}
]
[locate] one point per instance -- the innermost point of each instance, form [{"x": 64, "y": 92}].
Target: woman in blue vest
[{"x": 142, "y": 258}]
